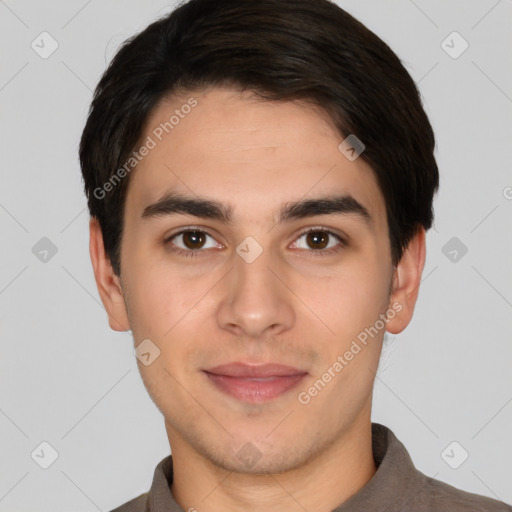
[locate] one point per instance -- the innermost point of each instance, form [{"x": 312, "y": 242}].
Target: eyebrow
[{"x": 174, "y": 203}]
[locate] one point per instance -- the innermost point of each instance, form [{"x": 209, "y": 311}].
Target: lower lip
[{"x": 255, "y": 390}]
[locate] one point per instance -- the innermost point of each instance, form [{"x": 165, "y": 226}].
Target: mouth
[{"x": 254, "y": 383}]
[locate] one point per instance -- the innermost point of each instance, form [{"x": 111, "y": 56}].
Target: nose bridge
[{"x": 255, "y": 300}]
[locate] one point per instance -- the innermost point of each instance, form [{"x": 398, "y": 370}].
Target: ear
[
  {"x": 406, "y": 283},
  {"x": 109, "y": 285}
]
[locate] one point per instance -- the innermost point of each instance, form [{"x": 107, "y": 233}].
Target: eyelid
[
  {"x": 342, "y": 240},
  {"x": 187, "y": 229},
  {"x": 324, "y": 229}
]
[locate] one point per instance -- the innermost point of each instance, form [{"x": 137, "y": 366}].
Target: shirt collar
[{"x": 395, "y": 484}]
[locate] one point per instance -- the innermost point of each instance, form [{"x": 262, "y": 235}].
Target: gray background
[{"x": 67, "y": 379}]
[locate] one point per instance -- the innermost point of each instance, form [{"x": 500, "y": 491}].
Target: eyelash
[{"x": 191, "y": 253}]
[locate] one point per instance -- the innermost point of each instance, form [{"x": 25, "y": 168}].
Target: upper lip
[{"x": 244, "y": 370}]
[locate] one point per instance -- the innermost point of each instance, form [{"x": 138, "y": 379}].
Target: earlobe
[
  {"x": 406, "y": 283},
  {"x": 108, "y": 284}
]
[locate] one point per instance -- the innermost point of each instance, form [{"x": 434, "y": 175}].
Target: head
[{"x": 216, "y": 140}]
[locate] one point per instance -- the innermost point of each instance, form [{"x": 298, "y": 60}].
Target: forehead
[{"x": 251, "y": 154}]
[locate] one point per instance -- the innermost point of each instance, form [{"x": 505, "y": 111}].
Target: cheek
[
  {"x": 156, "y": 301},
  {"x": 350, "y": 299},
  {"x": 168, "y": 310}
]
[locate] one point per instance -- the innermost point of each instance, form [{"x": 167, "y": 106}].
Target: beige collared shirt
[{"x": 397, "y": 486}]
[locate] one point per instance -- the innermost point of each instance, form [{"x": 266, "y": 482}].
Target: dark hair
[{"x": 281, "y": 50}]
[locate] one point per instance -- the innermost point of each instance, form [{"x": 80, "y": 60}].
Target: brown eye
[
  {"x": 193, "y": 239},
  {"x": 317, "y": 239},
  {"x": 190, "y": 241}
]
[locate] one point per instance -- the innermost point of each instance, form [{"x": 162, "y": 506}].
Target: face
[{"x": 255, "y": 280}]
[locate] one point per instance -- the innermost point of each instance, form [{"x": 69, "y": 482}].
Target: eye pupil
[
  {"x": 318, "y": 236},
  {"x": 196, "y": 237}
]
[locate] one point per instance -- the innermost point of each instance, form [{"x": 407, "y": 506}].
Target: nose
[{"x": 255, "y": 299}]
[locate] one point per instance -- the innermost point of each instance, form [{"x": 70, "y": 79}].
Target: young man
[{"x": 260, "y": 178}]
